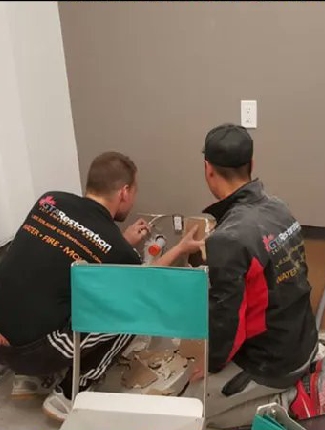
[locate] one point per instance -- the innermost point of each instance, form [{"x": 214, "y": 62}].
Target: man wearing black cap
[{"x": 262, "y": 330}]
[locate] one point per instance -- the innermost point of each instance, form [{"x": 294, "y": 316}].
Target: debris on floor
[
  {"x": 138, "y": 375},
  {"x": 157, "y": 366}
]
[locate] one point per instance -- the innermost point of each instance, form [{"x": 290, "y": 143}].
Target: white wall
[{"x": 37, "y": 143}]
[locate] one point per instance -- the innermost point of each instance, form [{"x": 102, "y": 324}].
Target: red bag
[{"x": 311, "y": 402}]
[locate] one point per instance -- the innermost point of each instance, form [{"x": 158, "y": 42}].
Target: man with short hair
[
  {"x": 35, "y": 294},
  {"x": 262, "y": 332}
]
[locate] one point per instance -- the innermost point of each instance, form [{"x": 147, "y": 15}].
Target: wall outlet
[{"x": 249, "y": 113}]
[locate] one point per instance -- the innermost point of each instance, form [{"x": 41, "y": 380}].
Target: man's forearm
[
  {"x": 170, "y": 256},
  {"x": 187, "y": 245}
]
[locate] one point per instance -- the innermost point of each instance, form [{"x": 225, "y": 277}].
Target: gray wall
[{"x": 150, "y": 79}]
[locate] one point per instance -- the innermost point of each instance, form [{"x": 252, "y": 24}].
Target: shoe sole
[{"x": 52, "y": 415}]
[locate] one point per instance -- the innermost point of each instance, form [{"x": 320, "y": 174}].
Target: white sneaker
[
  {"x": 56, "y": 405},
  {"x": 31, "y": 386}
]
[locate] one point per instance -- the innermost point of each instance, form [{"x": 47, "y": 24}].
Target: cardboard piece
[
  {"x": 139, "y": 343},
  {"x": 138, "y": 375},
  {"x": 156, "y": 359},
  {"x": 177, "y": 364},
  {"x": 155, "y": 392},
  {"x": 192, "y": 349},
  {"x": 165, "y": 372}
]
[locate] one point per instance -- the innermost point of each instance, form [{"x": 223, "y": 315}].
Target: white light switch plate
[
  {"x": 249, "y": 113},
  {"x": 178, "y": 223}
]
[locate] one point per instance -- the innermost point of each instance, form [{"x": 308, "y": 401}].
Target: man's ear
[
  {"x": 208, "y": 169},
  {"x": 124, "y": 191}
]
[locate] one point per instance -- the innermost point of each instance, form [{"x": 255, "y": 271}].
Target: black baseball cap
[{"x": 228, "y": 145}]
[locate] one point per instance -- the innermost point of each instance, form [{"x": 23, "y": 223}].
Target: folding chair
[{"x": 138, "y": 300}]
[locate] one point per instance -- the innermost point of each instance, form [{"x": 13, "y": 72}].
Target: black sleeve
[
  {"x": 228, "y": 263},
  {"x": 122, "y": 253},
  {"x": 131, "y": 256}
]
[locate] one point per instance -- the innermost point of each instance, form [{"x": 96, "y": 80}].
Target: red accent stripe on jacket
[
  {"x": 257, "y": 300},
  {"x": 252, "y": 311},
  {"x": 241, "y": 329}
]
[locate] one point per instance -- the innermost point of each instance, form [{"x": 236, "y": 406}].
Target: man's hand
[
  {"x": 188, "y": 245},
  {"x": 136, "y": 232}
]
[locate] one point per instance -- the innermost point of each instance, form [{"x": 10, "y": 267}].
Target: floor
[
  {"x": 25, "y": 415},
  {"x": 22, "y": 414},
  {"x": 28, "y": 415}
]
